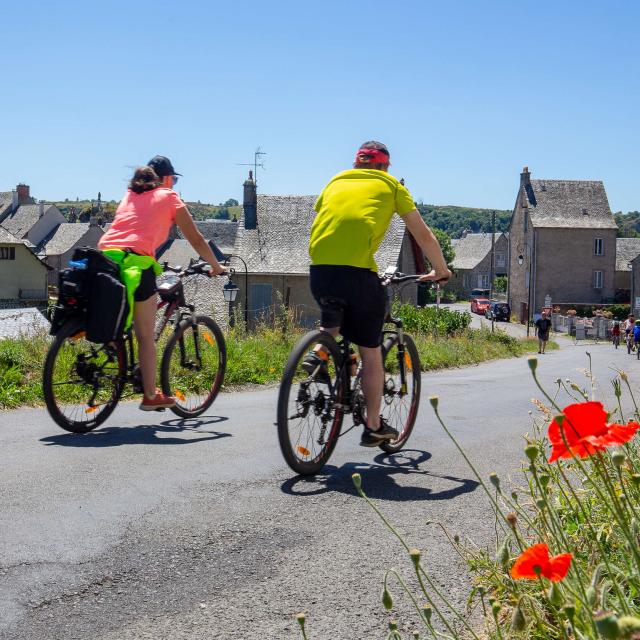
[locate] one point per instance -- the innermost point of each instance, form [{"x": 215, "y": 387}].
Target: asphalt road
[{"x": 155, "y": 528}]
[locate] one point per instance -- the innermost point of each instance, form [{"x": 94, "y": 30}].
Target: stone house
[
  {"x": 23, "y": 276},
  {"x": 273, "y": 238},
  {"x": 472, "y": 262},
  {"x": 27, "y": 219},
  {"x": 627, "y": 249},
  {"x": 562, "y": 245}
]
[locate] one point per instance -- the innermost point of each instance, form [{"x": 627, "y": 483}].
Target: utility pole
[{"x": 492, "y": 268}]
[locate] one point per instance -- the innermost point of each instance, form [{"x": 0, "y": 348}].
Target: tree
[
  {"x": 445, "y": 244},
  {"x": 231, "y": 202}
]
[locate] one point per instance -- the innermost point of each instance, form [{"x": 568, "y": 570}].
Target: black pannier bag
[{"x": 92, "y": 291}]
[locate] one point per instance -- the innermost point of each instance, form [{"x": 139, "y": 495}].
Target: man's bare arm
[{"x": 429, "y": 244}]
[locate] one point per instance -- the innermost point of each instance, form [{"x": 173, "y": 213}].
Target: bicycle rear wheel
[
  {"x": 308, "y": 421},
  {"x": 193, "y": 365},
  {"x": 82, "y": 381},
  {"x": 400, "y": 401}
]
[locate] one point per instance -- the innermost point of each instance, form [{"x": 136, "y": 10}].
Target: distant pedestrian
[{"x": 543, "y": 326}]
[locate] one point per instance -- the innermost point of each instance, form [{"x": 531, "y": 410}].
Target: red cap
[{"x": 372, "y": 156}]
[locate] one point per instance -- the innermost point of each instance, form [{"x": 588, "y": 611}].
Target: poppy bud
[
  {"x": 623, "y": 376},
  {"x": 456, "y": 538},
  {"x": 495, "y": 481},
  {"x": 301, "y": 618},
  {"x": 426, "y": 612},
  {"x": 541, "y": 503},
  {"x": 555, "y": 595},
  {"x": 607, "y": 625},
  {"x": 570, "y": 612},
  {"x": 628, "y": 625},
  {"x": 514, "y": 496},
  {"x": 617, "y": 387},
  {"x": 387, "y": 600},
  {"x": 544, "y": 480},
  {"x": 434, "y": 401},
  {"x": 618, "y": 458},
  {"x": 415, "y": 557},
  {"x": 496, "y": 607},
  {"x": 532, "y": 452},
  {"x": 416, "y": 635},
  {"x": 393, "y": 625},
  {"x": 503, "y": 553},
  {"x": 518, "y": 621},
  {"x": 512, "y": 519},
  {"x": 591, "y": 595},
  {"x": 533, "y": 363},
  {"x": 357, "y": 480}
]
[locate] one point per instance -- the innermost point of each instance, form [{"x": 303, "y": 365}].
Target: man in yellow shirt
[{"x": 354, "y": 212}]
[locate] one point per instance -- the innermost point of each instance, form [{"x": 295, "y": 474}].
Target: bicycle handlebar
[
  {"x": 398, "y": 278},
  {"x": 196, "y": 268}
]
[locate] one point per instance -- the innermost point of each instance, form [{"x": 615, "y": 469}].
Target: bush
[
  {"x": 439, "y": 322},
  {"x": 620, "y": 311}
]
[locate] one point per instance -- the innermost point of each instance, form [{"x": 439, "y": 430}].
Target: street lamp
[
  {"x": 520, "y": 263},
  {"x": 520, "y": 259},
  {"x": 230, "y": 291},
  {"x": 224, "y": 258}
]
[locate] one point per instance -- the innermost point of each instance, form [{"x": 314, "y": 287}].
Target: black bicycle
[
  {"x": 83, "y": 381},
  {"x": 312, "y": 406}
]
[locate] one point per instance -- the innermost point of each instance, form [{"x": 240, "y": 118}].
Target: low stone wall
[{"x": 597, "y": 327}]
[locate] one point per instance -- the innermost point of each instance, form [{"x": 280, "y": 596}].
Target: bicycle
[
  {"x": 629, "y": 340},
  {"x": 83, "y": 382},
  {"x": 616, "y": 340},
  {"x": 311, "y": 408}
]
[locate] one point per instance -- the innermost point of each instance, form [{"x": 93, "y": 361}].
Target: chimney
[
  {"x": 23, "y": 194},
  {"x": 250, "y": 203},
  {"x": 15, "y": 203},
  {"x": 93, "y": 221},
  {"x": 525, "y": 177},
  {"x": 40, "y": 208}
]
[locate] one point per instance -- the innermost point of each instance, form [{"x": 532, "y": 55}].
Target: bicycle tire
[
  {"x": 390, "y": 408},
  {"x": 183, "y": 407},
  {"x": 66, "y": 333},
  {"x": 290, "y": 449}
]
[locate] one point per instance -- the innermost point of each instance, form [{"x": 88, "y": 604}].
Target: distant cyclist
[
  {"x": 354, "y": 211},
  {"x": 615, "y": 334},
  {"x": 142, "y": 223},
  {"x": 628, "y": 328},
  {"x": 636, "y": 334}
]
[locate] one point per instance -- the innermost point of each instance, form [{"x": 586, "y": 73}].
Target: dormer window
[{"x": 585, "y": 212}]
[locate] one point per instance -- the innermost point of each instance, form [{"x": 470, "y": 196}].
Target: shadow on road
[
  {"x": 142, "y": 434},
  {"x": 379, "y": 479}
]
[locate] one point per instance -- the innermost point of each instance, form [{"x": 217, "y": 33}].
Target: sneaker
[
  {"x": 315, "y": 366},
  {"x": 159, "y": 402},
  {"x": 372, "y": 438}
]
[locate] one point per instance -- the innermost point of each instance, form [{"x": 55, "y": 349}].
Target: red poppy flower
[
  {"x": 586, "y": 431},
  {"x": 535, "y": 562}
]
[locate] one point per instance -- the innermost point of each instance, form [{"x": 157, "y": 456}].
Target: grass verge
[{"x": 258, "y": 358}]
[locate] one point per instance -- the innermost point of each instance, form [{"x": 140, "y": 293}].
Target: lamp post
[
  {"x": 246, "y": 287},
  {"x": 520, "y": 263}
]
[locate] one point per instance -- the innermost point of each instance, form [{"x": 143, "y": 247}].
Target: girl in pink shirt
[{"x": 141, "y": 224}]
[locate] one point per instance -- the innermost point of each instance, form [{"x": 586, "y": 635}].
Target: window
[
  {"x": 526, "y": 226},
  {"x": 7, "y": 253},
  {"x": 483, "y": 281},
  {"x": 597, "y": 279},
  {"x": 598, "y": 247},
  {"x": 501, "y": 260}
]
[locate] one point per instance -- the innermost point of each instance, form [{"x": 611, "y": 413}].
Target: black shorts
[
  {"x": 350, "y": 298},
  {"x": 147, "y": 286}
]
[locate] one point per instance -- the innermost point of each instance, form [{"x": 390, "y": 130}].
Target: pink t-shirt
[{"x": 142, "y": 221}]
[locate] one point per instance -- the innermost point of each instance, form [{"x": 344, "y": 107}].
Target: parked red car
[{"x": 479, "y": 305}]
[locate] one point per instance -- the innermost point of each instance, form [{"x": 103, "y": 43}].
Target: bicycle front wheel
[
  {"x": 193, "y": 365},
  {"x": 82, "y": 381},
  {"x": 308, "y": 420},
  {"x": 400, "y": 398}
]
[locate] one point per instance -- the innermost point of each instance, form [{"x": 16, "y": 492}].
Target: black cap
[{"x": 162, "y": 166}]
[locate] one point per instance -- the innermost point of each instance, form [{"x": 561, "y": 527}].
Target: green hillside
[{"x": 454, "y": 220}]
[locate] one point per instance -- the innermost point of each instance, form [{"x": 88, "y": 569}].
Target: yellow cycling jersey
[{"x": 354, "y": 212}]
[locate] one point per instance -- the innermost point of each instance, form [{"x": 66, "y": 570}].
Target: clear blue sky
[{"x": 463, "y": 93}]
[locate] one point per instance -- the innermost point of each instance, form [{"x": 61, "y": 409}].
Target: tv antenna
[{"x": 257, "y": 162}]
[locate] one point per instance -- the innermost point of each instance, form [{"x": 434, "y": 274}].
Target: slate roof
[
  {"x": 22, "y": 220},
  {"x": 280, "y": 243},
  {"x": 569, "y": 203},
  {"x": 627, "y": 249},
  {"x": 222, "y": 232},
  {"x": 64, "y": 237},
  {"x": 8, "y": 238},
  {"x": 6, "y": 201},
  {"x": 472, "y": 249}
]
